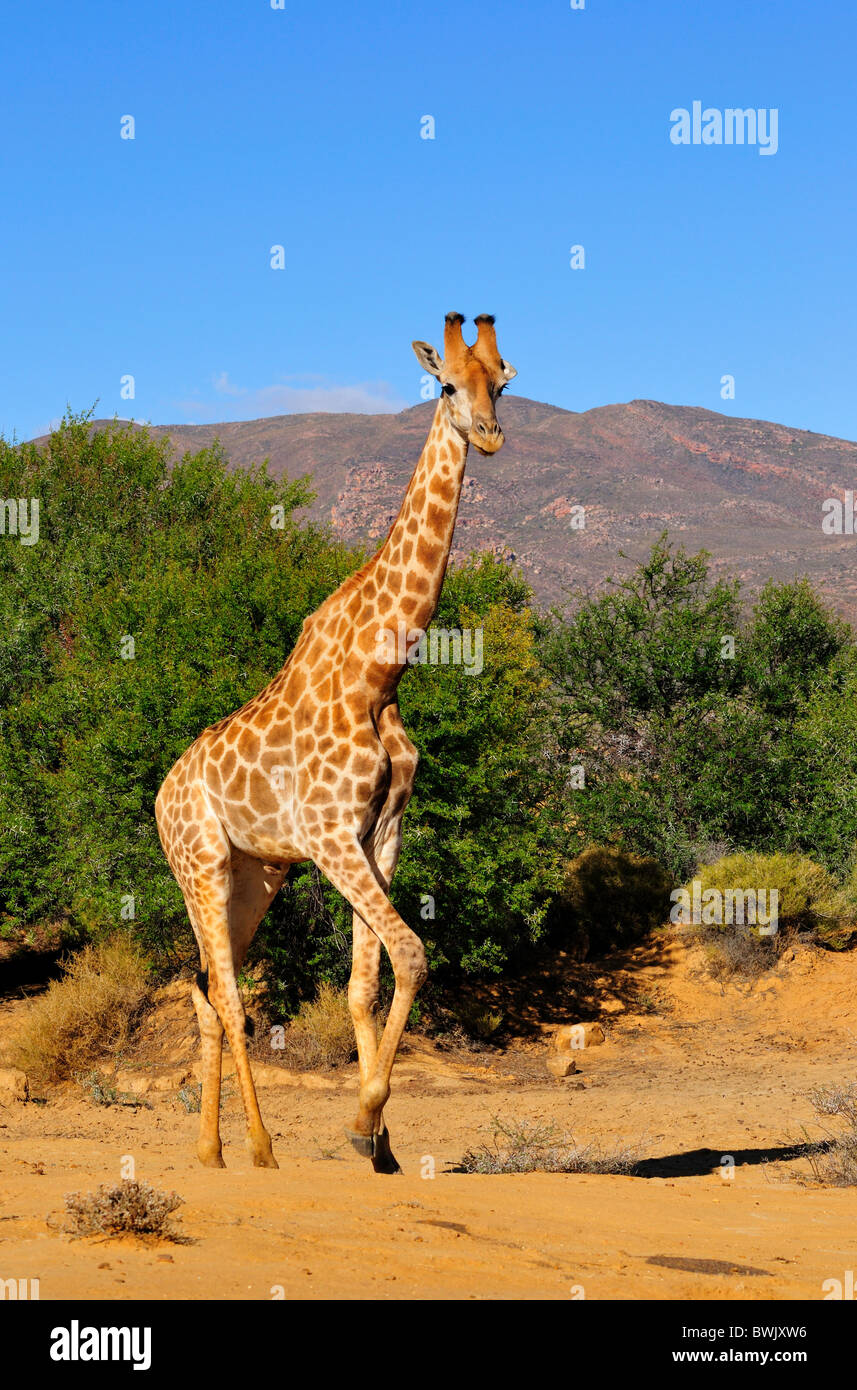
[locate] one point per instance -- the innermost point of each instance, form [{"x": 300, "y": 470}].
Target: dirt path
[{"x": 712, "y": 1075}]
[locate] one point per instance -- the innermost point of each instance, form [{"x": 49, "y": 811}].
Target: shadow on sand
[{"x": 696, "y": 1163}]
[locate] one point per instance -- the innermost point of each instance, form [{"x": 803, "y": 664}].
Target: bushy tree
[
  {"x": 160, "y": 597},
  {"x": 156, "y": 600},
  {"x": 702, "y": 727}
]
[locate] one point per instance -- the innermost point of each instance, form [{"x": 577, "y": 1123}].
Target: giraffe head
[{"x": 472, "y": 379}]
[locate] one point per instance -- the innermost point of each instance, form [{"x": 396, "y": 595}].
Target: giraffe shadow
[{"x": 698, "y": 1163}]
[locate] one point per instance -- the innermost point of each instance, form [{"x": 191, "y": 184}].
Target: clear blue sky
[{"x": 301, "y": 126}]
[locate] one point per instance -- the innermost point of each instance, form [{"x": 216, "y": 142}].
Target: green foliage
[
  {"x": 792, "y": 639},
  {"x": 159, "y": 598},
  {"x": 183, "y": 560},
  {"x": 820, "y": 814},
  {"x": 481, "y": 839},
  {"x": 692, "y": 741},
  {"x": 649, "y": 645}
]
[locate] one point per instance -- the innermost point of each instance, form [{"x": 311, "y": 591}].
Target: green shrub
[
  {"x": 809, "y": 898},
  {"x": 697, "y": 721},
  {"x": 610, "y": 897},
  {"x": 158, "y": 599}
]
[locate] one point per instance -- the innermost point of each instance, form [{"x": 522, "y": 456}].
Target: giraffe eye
[{"x": 449, "y": 389}]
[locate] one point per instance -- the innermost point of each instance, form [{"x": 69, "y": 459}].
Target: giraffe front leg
[
  {"x": 345, "y": 864},
  {"x": 369, "y": 1134},
  {"x": 363, "y": 994},
  {"x": 382, "y": 848},
  {"x": 223, "y": 992}
]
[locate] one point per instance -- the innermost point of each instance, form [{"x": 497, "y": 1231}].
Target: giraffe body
[{"x": 318, "y": 766}]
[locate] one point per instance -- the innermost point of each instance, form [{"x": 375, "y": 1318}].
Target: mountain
[{"x": 749, "y": 491}]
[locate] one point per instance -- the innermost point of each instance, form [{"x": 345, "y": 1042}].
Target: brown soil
[{"x": 691, "y": 1072}]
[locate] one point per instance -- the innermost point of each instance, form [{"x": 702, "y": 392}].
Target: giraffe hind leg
[
  {"x": 226, "y": 901},
  {"x": 209, "y": 1147}
]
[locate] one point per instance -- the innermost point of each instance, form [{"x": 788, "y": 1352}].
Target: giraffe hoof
[
  {"x": 214, "y": 1160},
  {"x": 266, "y": 1160},
  {"x": 363, "y": 1143},
  {"x": 376, "y": 1147},
  {"x": 383, "y": 1160}
]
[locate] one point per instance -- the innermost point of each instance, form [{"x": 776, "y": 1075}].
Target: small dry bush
[
  {"x": 321, "y": 1035},
  {"x": 103, "y": 1092},
  {"x": 524, "y": 1147},
  {"x": 836, "y": 1163},
  {"x": 123, "y": 1208},
  {"x": 88, "y": 1013},
  {"x": 477, "y": 1021},
  {"x": 740, "y": 955}
]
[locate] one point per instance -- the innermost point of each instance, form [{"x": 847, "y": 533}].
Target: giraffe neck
[{"x": 410, "y": 567}]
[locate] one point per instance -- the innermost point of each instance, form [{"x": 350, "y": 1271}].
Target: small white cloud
[
  {"x": 296, "y": 395},
  {"x": 223, "y": 386}
]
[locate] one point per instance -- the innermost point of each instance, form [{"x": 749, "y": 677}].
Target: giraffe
[{"x": 318, "y": 767}]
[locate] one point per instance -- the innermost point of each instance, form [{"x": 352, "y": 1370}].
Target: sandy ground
[{"x": 710, "y": 1074}]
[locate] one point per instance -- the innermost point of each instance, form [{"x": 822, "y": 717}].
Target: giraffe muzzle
[{"x": 486, "y": 436}]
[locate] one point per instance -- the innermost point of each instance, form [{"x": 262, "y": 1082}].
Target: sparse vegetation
[
  {"x": 88, "y": 1014},
  {"x": 191, "y": 1097},
  {"x": 124, "y": 1208},
  {"x": 477, "y": 1021},
  {"x": 103, "y": 1093},
  {"x": 520, "y": 1146}
]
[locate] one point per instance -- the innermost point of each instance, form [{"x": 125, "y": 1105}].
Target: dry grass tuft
[
  {"x": 321, "y": 1035},
  {"x": 124, "y": 1208},
  {"x": 836, "y": 1163},
  {"x": 523, "y": 1147},
  {"x": 90, "y": 1012}
]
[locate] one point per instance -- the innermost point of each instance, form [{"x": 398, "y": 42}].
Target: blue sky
[{"x": 301, "y": 127}]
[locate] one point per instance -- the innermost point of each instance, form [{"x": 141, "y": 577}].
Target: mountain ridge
[{"x": 748, "y": 491}]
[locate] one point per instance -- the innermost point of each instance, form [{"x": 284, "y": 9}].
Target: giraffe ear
[
  {"x": 428, "y": 358},
  {"x": 508, "y": 370}
]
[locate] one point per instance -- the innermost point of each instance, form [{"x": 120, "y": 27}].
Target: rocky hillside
[{"x": 749, "y": 491}]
